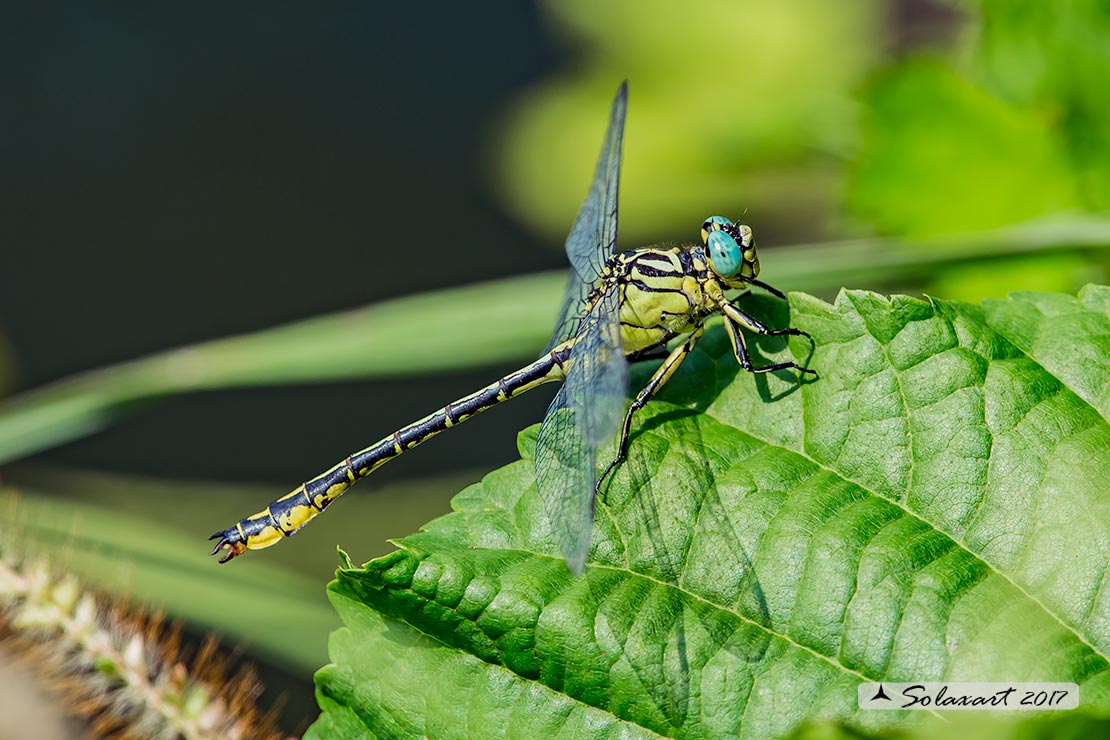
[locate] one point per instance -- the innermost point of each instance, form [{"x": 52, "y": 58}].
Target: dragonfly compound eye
[
  {"x": 725, "y": 255},
  {"x": 714, "y": 223}
]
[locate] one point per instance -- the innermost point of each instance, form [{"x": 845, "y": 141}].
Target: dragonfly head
[{"x": 731, "y": 250}]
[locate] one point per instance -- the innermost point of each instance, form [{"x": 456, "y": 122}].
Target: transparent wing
[
  {"x": 594, "y": 235},
  {"x": 585, "y": 414}
]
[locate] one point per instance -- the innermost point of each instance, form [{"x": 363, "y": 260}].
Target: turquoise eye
[
  {"x": 725, "y": 255},
  {"x": 713, "y": 223}
]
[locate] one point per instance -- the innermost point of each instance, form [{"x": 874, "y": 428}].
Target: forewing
[
  {"x": 593, "y": 238},
  {"x": 585, "y": 415}
]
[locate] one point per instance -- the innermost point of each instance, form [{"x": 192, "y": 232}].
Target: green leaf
[
  {"x": 439, "y": 691},
  {"x": 1072, "y": 725},
  {"x": 1067, "y": 336},
  {"x": 932, "y": 507}
]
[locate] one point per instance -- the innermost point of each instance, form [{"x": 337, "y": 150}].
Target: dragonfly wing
[
  {"x": 593, "y": 238},
  {"x": 585, "y": 415}
]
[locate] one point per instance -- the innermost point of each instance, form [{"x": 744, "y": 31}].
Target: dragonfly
[{"x": 620, "y": 307}]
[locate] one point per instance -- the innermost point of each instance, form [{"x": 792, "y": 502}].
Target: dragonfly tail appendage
[
  {"x": 285, "y": 516},
  {"x": 230, "y": 540}
]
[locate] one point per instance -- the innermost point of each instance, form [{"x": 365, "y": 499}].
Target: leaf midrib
[{"x": 832, "y": 661}]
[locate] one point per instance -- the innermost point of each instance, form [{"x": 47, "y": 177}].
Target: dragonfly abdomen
[{"x": 297, "y": 508}]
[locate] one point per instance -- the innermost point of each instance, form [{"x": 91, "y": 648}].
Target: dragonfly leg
[
  {"x": 735, "y": 318},
  {"x": 751, "y": 323},
  {"x": 658, "y": 379},
  {"x": 770, "y": 289},
  {"x": 658, "y": 352}
]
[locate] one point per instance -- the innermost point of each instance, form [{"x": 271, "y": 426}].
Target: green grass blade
[
  {"x": 144, "y": 538},
  {"x": 431, "y": 332},
  {"x": 161, "y": 566}
]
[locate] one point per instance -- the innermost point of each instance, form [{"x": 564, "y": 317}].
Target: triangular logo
[{"x": 880, "y": 694}]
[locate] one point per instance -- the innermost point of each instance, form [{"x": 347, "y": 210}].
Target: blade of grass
[
  {"x": 161, "y": 566},
  {"x": 114, "y": 532}
]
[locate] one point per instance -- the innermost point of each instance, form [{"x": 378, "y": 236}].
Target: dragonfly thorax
[{"x": 664, "y": 293}]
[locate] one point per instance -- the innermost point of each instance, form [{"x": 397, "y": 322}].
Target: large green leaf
[
  {"x": 934, "y": 506},
  {"x": 1074, "y": 725}
]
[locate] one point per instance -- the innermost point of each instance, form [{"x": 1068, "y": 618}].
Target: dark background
[{"x": 177, "y": 174}]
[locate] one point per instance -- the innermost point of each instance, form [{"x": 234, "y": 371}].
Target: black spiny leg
[
  {"x": 658, "y": 379},
  {"x": 735, "y": 318}
]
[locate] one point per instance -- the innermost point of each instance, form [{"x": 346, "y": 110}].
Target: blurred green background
[{"x": 177, "y": 175}]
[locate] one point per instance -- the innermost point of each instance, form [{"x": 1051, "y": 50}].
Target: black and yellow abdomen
[{"x": 307, "y": 501}]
